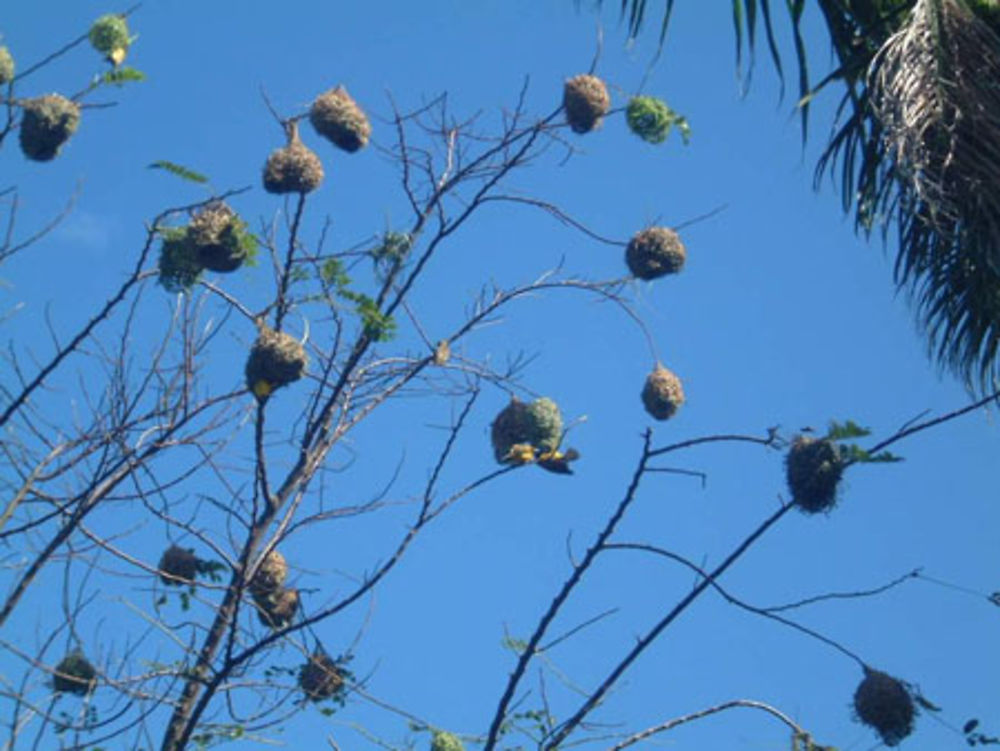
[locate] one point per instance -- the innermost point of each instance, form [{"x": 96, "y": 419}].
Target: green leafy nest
[
  {"x": 649, "y": 118},
  {"x": 445, "y": 741},
  {"x": 109, "y": 33},
  {"x": 538, "y": 424}
]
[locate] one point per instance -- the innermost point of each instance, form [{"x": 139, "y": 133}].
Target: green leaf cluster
[
  {"x": 851, "y": 453},
  {"x": 377, "y": 326}
]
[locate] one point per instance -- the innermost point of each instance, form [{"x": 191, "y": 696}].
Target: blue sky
[{"x": 782, "y": 316}]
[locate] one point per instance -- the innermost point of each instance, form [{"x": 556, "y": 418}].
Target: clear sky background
[{"x": 781, "y": 317}]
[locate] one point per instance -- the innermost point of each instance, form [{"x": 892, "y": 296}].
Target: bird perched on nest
[{"x": 553, "y": 461}]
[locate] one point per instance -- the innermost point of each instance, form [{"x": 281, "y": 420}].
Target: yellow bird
[
  {"x": 442, "y": 352},
  {"x": 557, "y": 461},
  {"x": 117, "y": 56},
  {"x": 262, "y": 389},
  {"x": 520, "y": 453}
]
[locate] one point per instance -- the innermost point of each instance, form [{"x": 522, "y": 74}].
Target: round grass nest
[
  {"x": 270, "y": 576},
  {"x": 277, "y": 609},
  {"x": 293, "y": 168},
  {"x": 321, "y": 678},
  {"x": 109, "y": 36},
  {"x": 655, "y": 252},
  {"x": 813, "y": 467},
  {"x": 74, "y": 675},
  {"x": 276, "y": 359},
  {"x": 6, "y": 66},
  {"x": 46, "y": 124},
  {"x": 339, "y": 119},
  {"x": 442, "y": 740},
  {"x": 538, "y": 424},
  {"x": 885, "y": 704},
  {"x": 649, "y": 118},
  {"x": 220, "y": 238},
  {"x": 662, "y": 394},
  {"x": 586, "y": 100},
  {"x": 177, "y": 564}
]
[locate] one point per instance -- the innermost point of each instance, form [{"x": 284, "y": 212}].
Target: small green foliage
[
  {"x": 120, "y": 76},
  {"x": 445, "y": 741},
  {"x": 849, "y": 429},
  {"x": 332, "y": 273},
  {"x": 852, "y": 453},
  {"x": 212, "y": 570},
  {"x": 651, "y": 119},
  {"x": 180, "y": 171},
  {"x": 377, "y": 325},
  {"x": 392, "y": 250},
  {"x": 517, "y": 646}
]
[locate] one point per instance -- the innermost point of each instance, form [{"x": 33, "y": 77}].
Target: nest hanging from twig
[
  {"x": 885, "y": 704},
  {"x": 294, "y": 168},
  {"x": 537, "y": 426},
  {"x": 321, "y": 678},
  {"x": 220, "y": 238},
  {"x": 587, "y": 101},
  {"x": 178, "y": 566},
  {"x": 655, "y": 252},
  {"x": 46, "y": 124},
  {"x": 276, "y": 359},
  {"x": 338, "y": 118},
  {"x": 277, "y": 609},
  {"x": 813, "y": 468},
  {"x": 75, "y": 675},
  {"x": 662, "y": 393},
  {"x": 442, "y": 740}
]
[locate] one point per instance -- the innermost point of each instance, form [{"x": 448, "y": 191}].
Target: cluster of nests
[
  {"x": 216, "y": 239},
  {"x": 48, "y": 121},
  {"x": 276, "y": 603},
  {"x": 295, "y": 168}
]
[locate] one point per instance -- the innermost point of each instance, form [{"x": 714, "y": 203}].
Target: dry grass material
[
  {"x": 655, "y": 252},
  {"x": 46, "y": 124},
  {"x": 662, "y": 393},
  {"x": 339, "y": 119},
  {"x": 294, "y": 168},
  {"x": 587, "y": 101},
  {"x": 320, "y": 678}
]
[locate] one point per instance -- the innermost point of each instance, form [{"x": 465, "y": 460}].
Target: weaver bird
[
  {"x": 442, "y": 352},
  {"x": 262, "y": 388},
  {"x": 558, "y": 461},
  {"x": 520, "y": 453}
]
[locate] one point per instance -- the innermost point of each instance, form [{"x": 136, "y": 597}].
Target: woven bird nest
[
  {"x": 655, "y": 252},
  {"x": 180, "y": 267},
  {"x": 178, "y": 566},
  {"x": 445, "y": 741},
  {"x": 278, "y": 608},
  {"x": 220, "y": 238},
  {"x": 586, "y": 100},
  {"x": 885, "y": 704},
  {"x": 6, "y": 66},
  {"x": 813, "y": 467},
  {"x": 47, "y": 123},
  {"x": 338, "y": 118},
  {"x": 74, "y": 675},
  {"x": 293, "y": 168},
  {"x": 649, "y": 118},
  {"x": 270, "y": 576},
  {"x": 538, "y": 425},
  {"x": 662, "y": 394},
  {"x": 276, "y": 359},
  {"x": 321, "y": 678},
  {"x": 109, "y": 36}
]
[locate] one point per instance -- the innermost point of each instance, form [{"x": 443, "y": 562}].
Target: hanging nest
[
  {"x": 339, "y": 119},
  {"x": 180, "y": 267},
  {"x": 6, "y": 66},
  {"x": 270, "y": 576},
  {"x": 649, "y": 118},
  {"x": 655, "y": 252},
  {"x": 276, "y": 359},
  {"x": 178, "y": 566},
  {"x": 537, "y": 425},
  {"x": 294, "y": 168},
  {"x": 813, "y": 467},
  {"x": 109, "y": 36},
  {"x": 586, "y": 101},
  {"x": 445, "y": 741},
  {"x": 278, "y": 609},
  {"x": 885, "y": 704},
  {"x": 662, "y": 394},
  {"x": 220, "y": 238},
  {"x": 321, "y": 678},
  {"x": 46, "y": 124},
  {"x": 75, "y": 675}
]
